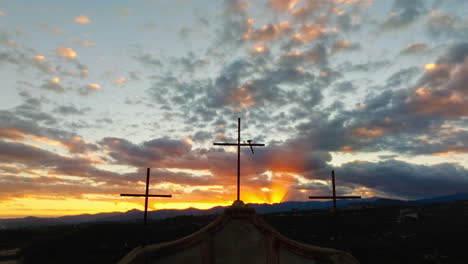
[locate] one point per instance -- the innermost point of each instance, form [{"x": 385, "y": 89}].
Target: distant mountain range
[{"x": 136, "y": 215}]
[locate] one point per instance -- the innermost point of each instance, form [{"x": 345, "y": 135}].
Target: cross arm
[
  {"x": 320, "y": 197},
  {"x": 235, "y": 144},
  {"x": 143, "y": 195}
]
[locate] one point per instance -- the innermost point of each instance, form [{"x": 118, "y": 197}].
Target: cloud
[
  {"x": 403, "y": 14},
  {"x": 268, "y": 32},
  {"x": 150, "y": 152},
  {"x": 25, "y": 122},
  {"x": 22, "y": 57},
  {"x": 78, "y": 145},
  {"x": 344, "y": 45},
  {"x": 282, "y": 5},
  {"x": 345, "y": 87},
  {"x": 442, "y": 25},
  {"x": 54, "y": 85},
  {"x": 88, "y": 89},
  {"x": 148, "y": 60},
  {"x": 415, "y": 48},
  {"x": 33, "y": 156},
  {"x": 66, "y": 52},
  {"x": 441, "y": 89},
  {"x": 82, "y": 19},
  {"x": 404, "y": 179},
  {"x": 236, "y": 7},
  {"x": 311, "y": 10},
  {"x": 309, "y": 32},
  {"x": 83, "y": 43},
  {"x": 120, "y": 80},
  {"x": 70, "y": 110},
  {"x": 185, "y": 32},
  {"x": 45, "y": 166},
  {"x": 189, "y": 63},
  {"x": 403, "y": 77},
  {"x": 2, "y": 13}
]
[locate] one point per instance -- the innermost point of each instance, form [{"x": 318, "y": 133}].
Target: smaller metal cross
[
  {"x": 146, "y": 195},
  {"x": 334, "y": 197}
]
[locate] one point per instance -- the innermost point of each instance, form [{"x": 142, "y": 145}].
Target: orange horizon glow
[{"x": 49, "y": 207}]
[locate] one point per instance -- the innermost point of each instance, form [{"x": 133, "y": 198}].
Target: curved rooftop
[{"x": 239, "y": 235}]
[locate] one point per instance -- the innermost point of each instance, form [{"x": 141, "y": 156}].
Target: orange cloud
[
  {"x": 347, "y": 149},
  {"x": 45, "y": 140},
  {"x": 341, "y": 45},
  {"x": 427, "y": 102},
  {"x": 242, "y": 97},
  {"x": 309, "y": 32},
  {"x": 55, "y": 80},
  {"x": 82, "y": 19},
  {"x": 260, "y": 49},
  {"x": 422, "y": 92},
  {"x": 66, "y": 52},
  {"x": 282, "y": 5},
  {"x": 364, "y": 132},
  {"x": 10, "y": 133},
  {"x": 94, "y": 86},
  {"x": 353, "y": 2},
  {"x": 120, "y": 80},
  {"x": 78, "y": 145},
  {"x": 430, "y": 66},
  {"x": 2, "y": 13},
  {"x": 39, "y": 57},
  {"x": 267, "y": 33}
]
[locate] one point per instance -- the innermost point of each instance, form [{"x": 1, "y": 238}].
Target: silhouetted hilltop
[{"x": 136, "y": 215}]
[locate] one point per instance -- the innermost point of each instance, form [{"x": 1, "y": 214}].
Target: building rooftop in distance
[{"x": 239, "y": 235}]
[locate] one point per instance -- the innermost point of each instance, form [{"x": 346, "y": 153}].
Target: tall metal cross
[
  {"x": 238, "y": 144},
  {"x": 334, "y": 197},
  {"x": 146, "y": 195}
]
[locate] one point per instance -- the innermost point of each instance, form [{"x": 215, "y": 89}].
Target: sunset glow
[{"x": 430, "y": 66}]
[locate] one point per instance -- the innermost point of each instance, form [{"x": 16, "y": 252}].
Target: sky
[{"x": 94, "y": 92}]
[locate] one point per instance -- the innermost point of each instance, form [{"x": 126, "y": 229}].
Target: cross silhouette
[
  {"x": 238, "y": 144},
  {"x": 146, "y": 195},
  {"x": 334, "y": 197}
]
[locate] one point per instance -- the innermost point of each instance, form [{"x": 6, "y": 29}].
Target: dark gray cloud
[
  {"x": 70, "y": 110},
  {"x": 148, "y": 60},
  {"x": 346, "y": 24},
  {"x": 150, "y": 152},
  {"x": 405, "y": 179},
  {"x": 442, "y": 25},
  {"x": 403, "y": 77},
  {"x": 373, "y": 66},
  {"x": 345, "y": 87},
  {"x": 189, "y": 63},
  {"x": 28, "y": 120},
  {"x": 403, "y": 14}
]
